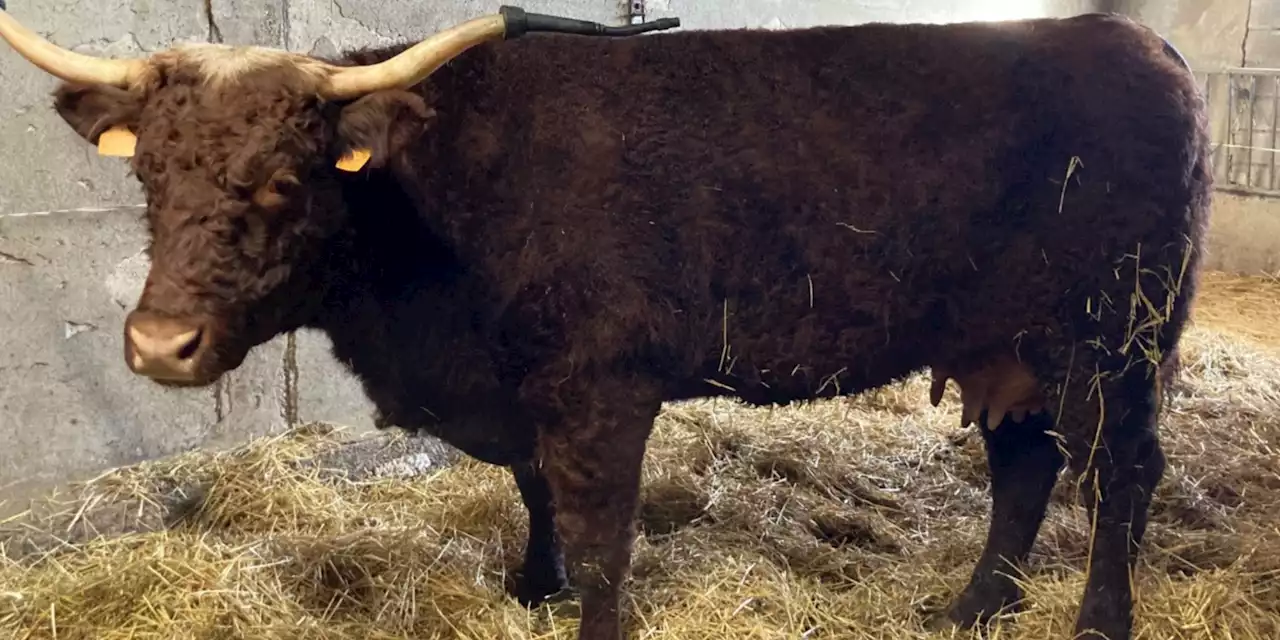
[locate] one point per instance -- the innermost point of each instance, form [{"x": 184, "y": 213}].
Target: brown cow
[{"x": 552, "y": 236}]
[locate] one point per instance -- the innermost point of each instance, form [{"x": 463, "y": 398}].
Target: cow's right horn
[
  {"x": 413, "y": 65},
  {"x": 65, "y": 64}
]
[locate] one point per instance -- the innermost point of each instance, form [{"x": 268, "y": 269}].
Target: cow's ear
[
  {"x": 375, "y": 128},
  {"x": 92, "y": 110}
]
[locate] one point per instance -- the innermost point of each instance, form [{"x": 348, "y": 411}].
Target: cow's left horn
[
  {"x": 421, "y": 60},
  {"x": 66, "y": 64}
]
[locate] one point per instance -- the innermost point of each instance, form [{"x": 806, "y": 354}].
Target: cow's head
[{"x": 238, "y": 151}]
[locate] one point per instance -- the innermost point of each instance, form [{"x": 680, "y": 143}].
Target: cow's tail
[{"x": 1169, "y": 50}]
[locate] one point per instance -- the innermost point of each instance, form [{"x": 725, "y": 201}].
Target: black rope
[{"x": 520, "y": 22}]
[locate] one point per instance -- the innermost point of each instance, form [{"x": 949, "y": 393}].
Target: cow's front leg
[
  {"x": 592, "y": 460},
  {"x": 543, "y": 573}
]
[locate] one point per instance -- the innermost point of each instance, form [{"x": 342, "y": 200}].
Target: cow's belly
[{"x": 497, "y": 437}]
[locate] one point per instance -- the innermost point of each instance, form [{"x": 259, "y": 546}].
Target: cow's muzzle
[{"x": 165, "y": 349}]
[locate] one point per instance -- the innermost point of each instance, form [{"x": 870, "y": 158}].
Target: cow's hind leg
[
  {"x": 1115, "y": 452},
  {"x": 543, "y": 574},
  {"x": 1024, "y": 461}
]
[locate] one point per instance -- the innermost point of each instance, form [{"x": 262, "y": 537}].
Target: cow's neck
[
  {"x": 403, "y": 317},
  {"x": 385, "y": 272}
]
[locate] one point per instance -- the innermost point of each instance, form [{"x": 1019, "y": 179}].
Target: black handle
[{"x": 520, "y": 22}]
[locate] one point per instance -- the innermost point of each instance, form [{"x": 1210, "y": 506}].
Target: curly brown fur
[{"x": 540, "y": 252}]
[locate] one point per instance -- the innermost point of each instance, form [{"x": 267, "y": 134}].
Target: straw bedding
[{"x": 848, "y": 519}]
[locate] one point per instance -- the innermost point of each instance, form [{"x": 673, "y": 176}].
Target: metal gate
[{"x": 1244, "y": 111}]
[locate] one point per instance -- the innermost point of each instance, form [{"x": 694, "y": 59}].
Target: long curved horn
[
  {"x": 413, "y": 65},
  {"x": 416, "y": 63},
  {"x": 65, "y": 64}
]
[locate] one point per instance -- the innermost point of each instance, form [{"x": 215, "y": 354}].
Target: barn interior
[{"x": 267, "y": 507}]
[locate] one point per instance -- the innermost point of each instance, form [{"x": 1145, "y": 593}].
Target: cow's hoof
[
  {"x": 534, "y": 593},
  {"x": 976, "y": 609},
  {"x": 1103, "y": 619}
]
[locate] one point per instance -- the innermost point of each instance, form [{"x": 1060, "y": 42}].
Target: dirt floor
[{"x": 848, "y": 519}]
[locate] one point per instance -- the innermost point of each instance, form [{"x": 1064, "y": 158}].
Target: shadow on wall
[{"x": 1244, "y": 234}]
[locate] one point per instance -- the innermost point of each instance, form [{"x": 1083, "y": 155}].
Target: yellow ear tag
[
  {"x": 117, "y": 141},
  {"x": 354, "y": 161}
]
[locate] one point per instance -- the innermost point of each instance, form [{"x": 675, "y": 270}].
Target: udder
[{"x": 1003, "y": 386}]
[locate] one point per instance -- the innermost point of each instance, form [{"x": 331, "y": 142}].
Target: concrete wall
[
  {"x": 1244, "y": 233},
  {"x": 1262, "y": 47},
  {"x": 1215, "y": 34},
  {"x": 71, "y": 239}
]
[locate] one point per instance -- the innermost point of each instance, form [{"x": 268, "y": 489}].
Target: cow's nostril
[{"x": 188, "y": 350}]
